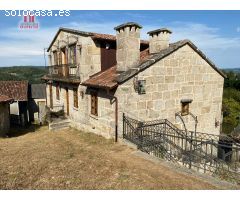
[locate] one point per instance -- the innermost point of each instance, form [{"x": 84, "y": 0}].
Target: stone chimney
[
  {"x": 128, "y": 45},
  {"x": 159, "y": 40}
]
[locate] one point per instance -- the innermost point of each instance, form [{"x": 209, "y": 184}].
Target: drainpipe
[{"x": 116, "y": 114}]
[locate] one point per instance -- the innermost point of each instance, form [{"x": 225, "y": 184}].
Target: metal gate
[{"x": 207, "y": 153}]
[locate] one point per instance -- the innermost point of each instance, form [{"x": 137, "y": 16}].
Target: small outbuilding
[
  {"x": 4, "y": 114},
  {"x": 18, "y": 91}
]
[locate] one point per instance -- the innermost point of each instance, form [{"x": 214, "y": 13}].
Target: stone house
[
  {"x": 96, "y": 78},
  {"x": 4, "y": 114},
  {"x": 18, "y": 91}
]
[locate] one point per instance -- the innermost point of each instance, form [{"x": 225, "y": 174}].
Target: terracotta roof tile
[
  {"x": 17, "y": 90},
  {"x": 4, "y": 98},
  {"x": 103, "y": 36},
  {"x": 107, "y": 78},
  {"x": 144, "y": 55},
  {"x": 100, "y": 36}
]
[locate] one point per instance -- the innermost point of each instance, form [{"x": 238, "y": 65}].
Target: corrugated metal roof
[{"x": 38, "y": 91}]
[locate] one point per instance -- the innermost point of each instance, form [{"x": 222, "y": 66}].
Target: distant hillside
[
  {"x": 18, "y": 73},
  {"x": 236, "y": 70},
  {"x": 231, "y": 100}
]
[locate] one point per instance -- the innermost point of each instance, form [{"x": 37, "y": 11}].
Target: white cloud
[
  {"x": 24, "y": 47},
  {"x": 206, "y": 37},
  {"x": 222, "y": 50},
  {"x": 27, "y": 46}
]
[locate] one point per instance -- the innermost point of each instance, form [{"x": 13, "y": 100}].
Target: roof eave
[
  {"x": 206, "y": 59},
  {"x": 159, "y": 56},
  {"x": 99, "y": 86},
  {"x": 68, "y": 31}
]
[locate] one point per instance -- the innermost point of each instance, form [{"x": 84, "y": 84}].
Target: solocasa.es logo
[{"x": 29, "y": 22}]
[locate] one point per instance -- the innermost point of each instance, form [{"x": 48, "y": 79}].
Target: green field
[
  {"x": 231, "y": 101},
  {"x": 18, "y": 73}
]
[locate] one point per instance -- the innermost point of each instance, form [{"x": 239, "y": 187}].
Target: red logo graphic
[{"x": 29, "y": 22}]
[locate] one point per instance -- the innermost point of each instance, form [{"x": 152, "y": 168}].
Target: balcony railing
[{"x": 64, "y": 71}]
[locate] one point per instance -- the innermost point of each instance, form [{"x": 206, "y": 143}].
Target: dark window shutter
[
  {"x": 57, "y": 92},
  {"x": 75, "y": 98},
  {"x": 94, "y": 104}
]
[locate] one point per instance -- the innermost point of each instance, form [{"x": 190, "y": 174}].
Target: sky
[{"x": 216, "y": 33}]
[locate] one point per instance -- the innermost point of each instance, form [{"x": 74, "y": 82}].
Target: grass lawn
[{"x": 70, "y": 159}]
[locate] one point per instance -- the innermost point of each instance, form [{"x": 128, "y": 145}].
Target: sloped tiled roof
[
  {"x": 153, "y": 58},
  {"x": 110, "y": 79},
  {"x": 103, "y": 36},
  {"x": 107, "y": 78},
  {"x": 4, "y": 98},
  {"x": 94, "y": 36},
  {"x": 17, "y": 90}
]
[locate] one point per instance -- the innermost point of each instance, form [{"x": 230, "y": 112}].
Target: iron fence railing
[
  {"x": 64, "y": 70},
  {"x": 207, "y": 153}
]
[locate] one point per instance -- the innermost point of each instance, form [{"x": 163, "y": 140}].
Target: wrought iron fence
[{"x": 207, "y": 153}]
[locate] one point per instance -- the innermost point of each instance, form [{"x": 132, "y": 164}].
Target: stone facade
[
  {"x": 87, "y": 53},
  {"x": 81, "y": 117},
  {"x": 183, "y": 74},
  {"x": 4, "y": 119},
  {"x": 128, "y": 46},
  {"x": 158, "y": 40}
]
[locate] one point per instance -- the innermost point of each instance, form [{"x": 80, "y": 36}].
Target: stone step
[
  {"x": 53, "y": 126},
  {"x": 59, "y": 128},
  {"x": 57, "y": 125}
]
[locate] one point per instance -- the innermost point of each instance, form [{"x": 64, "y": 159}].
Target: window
[
  {"x": 57, "y": 92},
  {"x": 60, "y": 57},
  {"x": 141, "y": 87},
  {"x": 94, "y": 103},
  {"x": 75, "y": 98},
  {"x": 72, "y": 54},
  {"x": 55, "y": 57},
  {"x": 63, "y": 56},
  {"x": 185, "y": 106},
  {"x": 185, "y": 109}
]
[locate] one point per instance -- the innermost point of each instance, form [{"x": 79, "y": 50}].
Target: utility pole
[{"x": 45, "y": 61}]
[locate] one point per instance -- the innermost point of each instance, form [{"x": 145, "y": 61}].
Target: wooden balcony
[{"x": 64, "y": 72}]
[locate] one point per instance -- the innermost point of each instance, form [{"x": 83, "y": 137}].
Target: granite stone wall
[
  {"x": 181, "y": 75},
  {"x": 88, "y": 53},
  {"x": 128, "y": 47}
]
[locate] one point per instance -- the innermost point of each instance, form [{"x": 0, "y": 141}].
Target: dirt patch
[{"x": 71, "y": 159}]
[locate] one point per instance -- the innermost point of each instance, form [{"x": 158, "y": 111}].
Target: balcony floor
[{"x": 70, "y": 79}]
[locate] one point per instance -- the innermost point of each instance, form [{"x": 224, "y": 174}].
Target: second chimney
[
  {"x": 128, "y": 45},
  {"x": 159, "y": 40}
]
